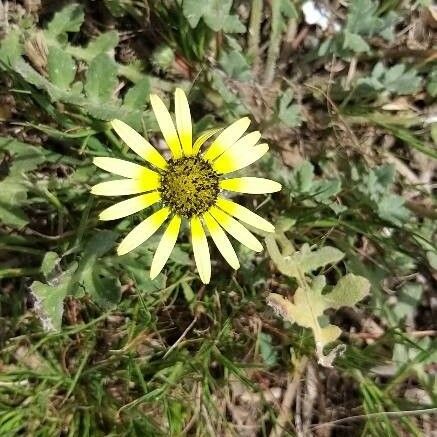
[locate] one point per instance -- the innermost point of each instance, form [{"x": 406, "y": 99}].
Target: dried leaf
[{"x": 309, "y": 303}]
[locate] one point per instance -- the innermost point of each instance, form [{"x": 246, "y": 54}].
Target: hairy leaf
[
  {"x": 138, "y": 95},
  {"x": 68, "y": 19},
  {"x": 309, "y": 302},
  {"x": 92, "y": 275},
  {"x": 288, "y": 113},
  {"x": 104, "y": 43},
  {"x": 61, "y": 67},
  {"x": 268, "y": 353},
  {"x": 303, "y": 261},
  {"x": 101, "y": 78},
  {"x": 49, "y": 304},
  {"x": 13, "y": 190},
  {"x": 215, "y": 13}
]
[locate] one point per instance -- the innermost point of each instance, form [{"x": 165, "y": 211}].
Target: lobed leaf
[
  {"x": 61, "y": 67},
  {"x": 101, "y": 78},
  {"x": 309, "y": 303},
  {"x": 68, "y": 19}
]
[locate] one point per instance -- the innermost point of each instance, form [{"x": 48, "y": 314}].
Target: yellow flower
[{"x": 187, "y": 186}]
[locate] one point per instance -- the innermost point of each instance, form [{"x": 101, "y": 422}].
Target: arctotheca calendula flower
[{"x": 188, "y": 186}]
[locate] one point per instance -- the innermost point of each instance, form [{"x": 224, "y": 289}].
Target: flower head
[{"x": 188, "y": 186}]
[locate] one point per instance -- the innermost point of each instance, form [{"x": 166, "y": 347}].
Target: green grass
[{"x": 90, "y": 346}]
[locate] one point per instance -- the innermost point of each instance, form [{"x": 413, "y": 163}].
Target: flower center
[{"x": 189, "y": 186}]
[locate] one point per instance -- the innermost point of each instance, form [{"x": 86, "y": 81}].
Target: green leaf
[
  {"x": 232, "y": 24},
  {"x": 401, "y": 81},
  {"x": 13, "y": 191},
  {"x": 49, "y": 304},
  {"x": 364, "y": 19},
  {"x": 391, "y": 208},
  {"x": 227, "y": 98},
  {"x": 115, "y": 7},
  {"x": 13, "y": 194},
  {"x": 11, "y": 47},
  {"x": 61, "y": 67},
  {"x": 431, "y": 256},
  {"x": 309, "y": 261},
  {"x": 68, "y": 19},
  {"x": 138, "y": 95},
  {"x": 34, "y": 78},
  {"x": 355, "y": 42},
  {"x": 104, "y": 43},
  {"x": 101, "y": 78},
  {"x": 189, "y": 295},
  {"x": 99, "y": 110},
  {"x": 304, "y": 175},
  {"x": 163, "y": 57},
  {"x": 92, "y": 274},
  {"x": 431, "y": 86},
  {"x": 397, "y": 79},
  {"x": 377, "y": 181},
  {"x": 50, "y": 264},
  {"x": 193, "y": 11},
  {"x": 215, "y": 14},
  {"x": 268, "y": 353},
  {"x": 407, "y": 301},
  {"x": 433, "y": 133},
  {"x": 326, "y": 189},
  {"x": 349, "y": 290},
  {"x": 235, "y": 65},
  {"x": 25, "y": 157},
  {"x": 289, "y": 114}
]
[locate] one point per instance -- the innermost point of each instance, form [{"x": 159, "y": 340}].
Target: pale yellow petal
[
  {"x": 233, "y": 159},
  {"x": 250, "y": 185},
  {"x": 227, "y": 138},
  {"x": 201, "y": 250},
  {"x": 221, "y": 241},
  {"x": 236, "y": 229},
  {"x": 244, "y": 214},
  {"x": 124, "y": 168},
  {"x": 140, "y": 233},
  {"x": 183, "y": 122},
  {"x": 139, "y": 144},
  {"x": 205, "y": 136},
  {"x": 130, "y": 206},
  {"x": 244, "y": 143},
  {"x": 166, "y": 125},
  {"x": 123, "y": 187},
  {"x": 165, "y": 246}
]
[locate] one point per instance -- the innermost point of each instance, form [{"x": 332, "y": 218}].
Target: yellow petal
[
  {"x": 250, "y": 185},
  {"x": 140, "y": 233},
  {"x": 205, "y": 136},
  {"x": 123, "y": 187},
  {"x": 244, "y": 214},
  {"x": 183, "y": 122},
  {"x": 233, "y": 159},
  {"x": 227, "y": 138},
  {"x": 166, "y": 125},
  {"x": 139, "y": 144},
  {"x": 201, "y": 250},
  {"x": 130, "y": 206},
  {"x": 124, "y": 168},
  {"x": 245, "y": 143},
  {"x": 165, "y": 246},
  {"x": 221, "y": 241},
  {"x": 236, "y": 229}
]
